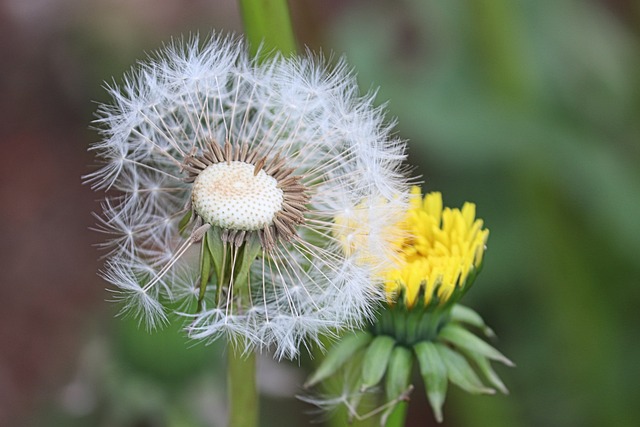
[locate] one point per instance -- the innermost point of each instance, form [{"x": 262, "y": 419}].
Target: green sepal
[
  {"x": 484, "y": 366},
  {"x": 413, "y": 322},
  {"x": 184, "y": 222},
  {"x": 460, "y": 372},
  {"x": 205, "y": 270},
  {"x": 462, "y": 314},
  {"x": 460, "y": 337},
  {"x": 434, "y": 374},
  {"x": 218, "y": 252},
  {"x": 249, "y": 252},
  {"x": 376, "y": 359},
  {"x": 339, "y": 355},
  {"x": 399, "y": 321},
  {"x": 430, "y": 324},
  {"x": 397, "y": 383}
]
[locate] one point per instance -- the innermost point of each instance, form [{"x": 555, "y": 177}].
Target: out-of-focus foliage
[
  {"x": 133, "y": 377},
  {"x": 130, "y": 376},
  {"x": 530, "y": 109}
]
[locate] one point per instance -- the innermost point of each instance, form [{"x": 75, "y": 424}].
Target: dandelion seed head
[
  {"x": 210, "y": 158},
  {"x": 232, "y": 196}
]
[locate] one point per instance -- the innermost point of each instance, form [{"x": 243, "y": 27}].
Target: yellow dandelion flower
[
  {"x": 442, "y": 248},
  {"x": 438, "y": 253}
]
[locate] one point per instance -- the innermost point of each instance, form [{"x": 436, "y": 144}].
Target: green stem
[
  {"x": 267, "y": 23},
  {"x": 398, "y": 416},
  {"x": 268, "y": 29},
  {"x": 242, "y": 388}
]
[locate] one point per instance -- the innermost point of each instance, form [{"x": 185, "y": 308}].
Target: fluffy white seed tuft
[{"x": 308, "y": 120}]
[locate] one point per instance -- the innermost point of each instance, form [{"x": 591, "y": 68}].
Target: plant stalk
[
  {"x": 242, "y": 387},
  {"x": 398, "y": 416},
  {"x": 268, "y": 29},
  {"x": 267, "y": 26}
]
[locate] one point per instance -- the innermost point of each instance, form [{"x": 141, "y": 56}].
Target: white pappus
[{"x": 207, "y": 152}]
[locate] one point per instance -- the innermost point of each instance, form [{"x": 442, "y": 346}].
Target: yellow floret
[{"x": 442, "y": 247}]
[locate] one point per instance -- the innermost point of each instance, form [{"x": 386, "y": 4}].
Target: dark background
[{"x": 528, "y": 108}]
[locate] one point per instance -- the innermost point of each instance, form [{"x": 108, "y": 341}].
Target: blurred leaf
[
  {"x": 531, "y": 110},
  {"x": 166, "y": 355}
]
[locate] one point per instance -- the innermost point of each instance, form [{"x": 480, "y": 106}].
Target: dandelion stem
[
  {"x": 242, "y": 387},
  {"x": 268, "y": 28},
  {"x": 267, "y": 23},
  {"x": 398, "y": 415}
]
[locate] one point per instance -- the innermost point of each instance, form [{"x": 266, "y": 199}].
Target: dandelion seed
[{"x": 207, "y": 151}]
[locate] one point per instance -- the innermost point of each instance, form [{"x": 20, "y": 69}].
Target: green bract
[{"x": 437, "y": 343}]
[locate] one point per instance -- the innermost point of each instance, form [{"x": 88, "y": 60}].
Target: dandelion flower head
[
  {"x": 222, "y": 179},
  {"x": 443, "y": 247},
  {"x": 439, "y": 253}
]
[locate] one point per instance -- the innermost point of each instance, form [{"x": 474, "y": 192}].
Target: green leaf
[
  {"x": 434, "y": 375},
  {"x": 485, "y": 367},
  {"x": 460, "y": 372},
  {"x": 397, "y": 383},
  {"x": 376, "y": 359},
  {"x": 460, "y": 337},
  {"x": 462, "y": 314},
  {"x": 339, "y": 355}
]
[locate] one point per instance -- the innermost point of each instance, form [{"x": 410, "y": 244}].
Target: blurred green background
[{"x": 528, "y": 108}]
